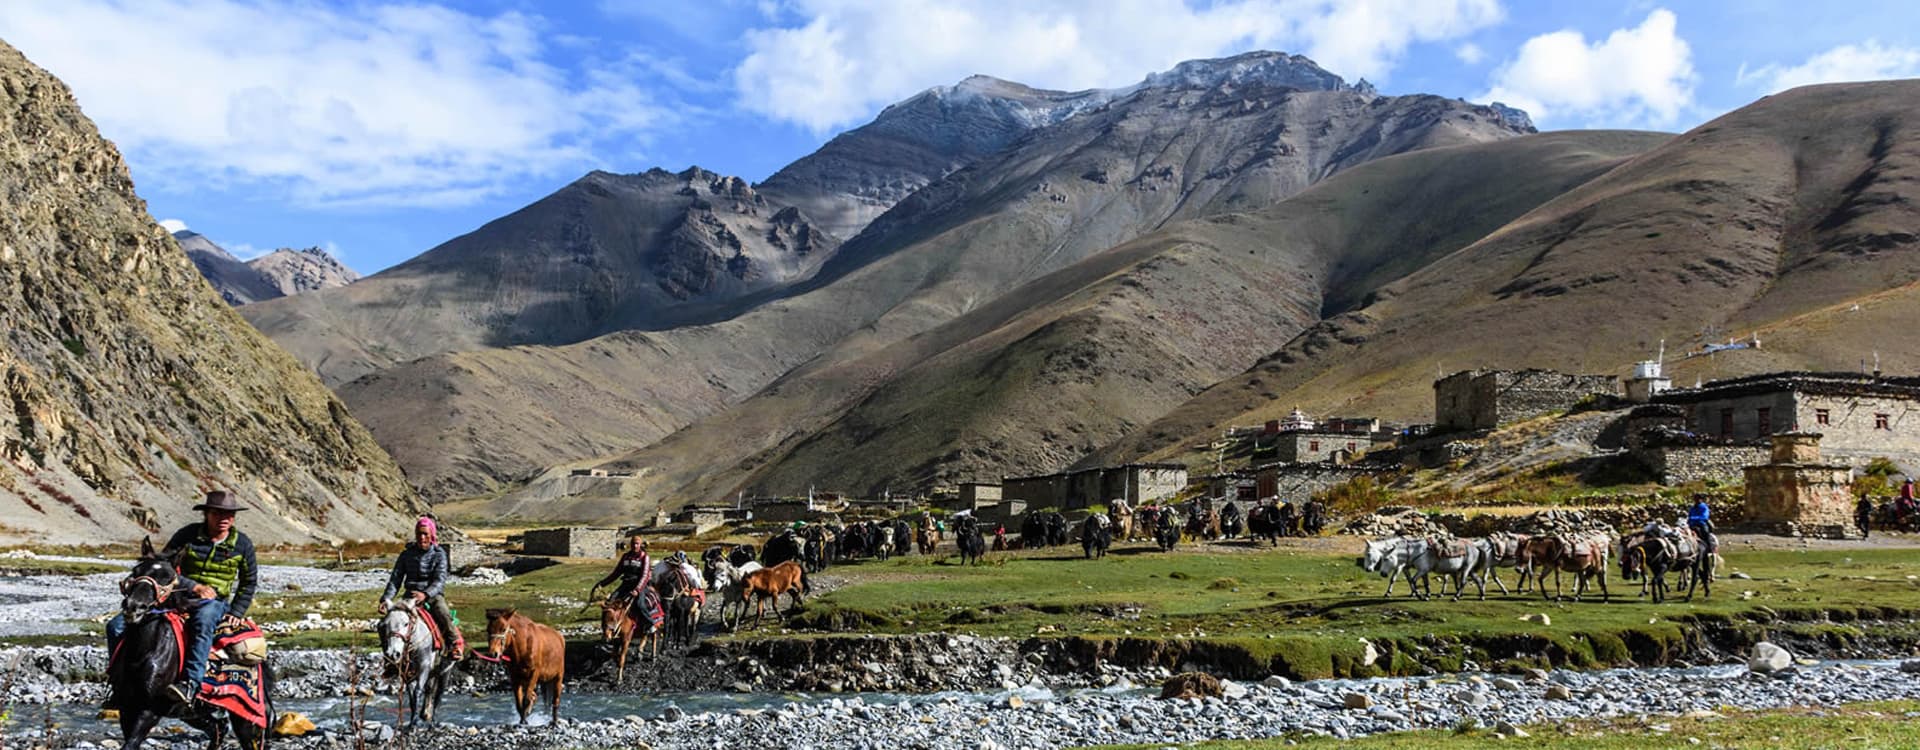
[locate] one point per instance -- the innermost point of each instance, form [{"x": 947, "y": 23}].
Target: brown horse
[
  {"x": 1507, "y": 550},
  {"x": 619, "y": 624},
  {"x": 536, "y": 658},
  {"x": 1582, "y": 553},
  {"x": 769, "y": 583}
]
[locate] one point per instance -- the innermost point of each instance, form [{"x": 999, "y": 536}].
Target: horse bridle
[{"x": 160, "y": 591}]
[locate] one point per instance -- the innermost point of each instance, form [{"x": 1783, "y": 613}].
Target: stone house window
[
  {"x": 1726, "y": 423},
  {"x": 1313, "y": 446},
  {"x": 1820, "y": 416},
  {"x": 1349, "y": 445},
  {"x": 1880, "y": 422},
  {"x": 1764, "y": 417}
]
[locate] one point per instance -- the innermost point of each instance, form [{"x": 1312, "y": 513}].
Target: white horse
[
  {"x": 730, "y": 581},
  {"x": 409, "y": 649},
  {"x": 1414, "y": 559}
]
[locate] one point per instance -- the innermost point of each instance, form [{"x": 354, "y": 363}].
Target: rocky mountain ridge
[
  {"x": 1052, "y": 198},
  {"x": 283, "y": 272},
  {"x": 133, "y": 388}
]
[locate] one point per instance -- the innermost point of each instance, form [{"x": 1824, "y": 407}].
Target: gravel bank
[{"x": 1037, "y": 717}]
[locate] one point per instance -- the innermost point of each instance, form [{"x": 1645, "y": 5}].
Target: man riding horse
[
  {"x": 216, "y": 564},
  {"x": 634, "y": 570},
  {"x": 421, "y": 573},
  {"x": 1700, "y": 520}
]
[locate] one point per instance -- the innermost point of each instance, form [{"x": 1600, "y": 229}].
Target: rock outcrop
[
  {"x": 277, "y": 274},
  {"x": 300, "y": 271},
  {"x": 132, "y": 389}
]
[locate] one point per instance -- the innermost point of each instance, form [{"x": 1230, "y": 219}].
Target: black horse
[
  {"x": 149, "y": 660},
  {"x": 966, "y": 533},
  {"x": 1095, "y": 536},
  {"x": 741, "y": 554}
]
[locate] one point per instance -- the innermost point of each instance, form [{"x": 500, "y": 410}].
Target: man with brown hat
[{"x": 217, "y": 565}]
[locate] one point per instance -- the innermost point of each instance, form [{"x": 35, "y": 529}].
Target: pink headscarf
[{"x": 433, "y": 530}]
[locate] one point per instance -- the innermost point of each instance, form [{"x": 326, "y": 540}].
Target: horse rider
[
  {"x": 1903, "y": 505},
  {"x": 634, "y": 571},
  {"x": 217, "y": 567},
  {"x": 422, "y": 572},
  {"x": 1700, "y": 520}
]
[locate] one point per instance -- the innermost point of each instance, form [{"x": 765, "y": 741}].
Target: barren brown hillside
[
  {"x": 1038, "y": 376},
  {"x": 1060, "y": 194},
  {"x": 1777, "y": 217}
]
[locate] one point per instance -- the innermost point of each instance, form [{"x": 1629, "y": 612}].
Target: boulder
[
  {"x": 1910, "y": 666},
  {"x": 1357, "y": 701},
  {"x": 1768, "y": 658},
  {"x": 292, "y": 724},
  {"x": 1191, "y": 685},
  {"x": 1559, "y": 693}
]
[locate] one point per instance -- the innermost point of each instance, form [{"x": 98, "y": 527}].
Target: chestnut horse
[
  {"x": 769, "y": 583},
  {"x": 536, "y": 658},
  {"x": 619, "y": 623},
  {"x": 1582, "y": 553}
]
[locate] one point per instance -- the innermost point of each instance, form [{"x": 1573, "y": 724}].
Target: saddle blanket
[
  {"x": 648, "y": 606},
  {"x": 238, "y": 689},
  {"x": 1448, "y": 548}
]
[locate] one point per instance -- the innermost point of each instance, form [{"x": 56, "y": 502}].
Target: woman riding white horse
[{"x": 408, "y": 648}]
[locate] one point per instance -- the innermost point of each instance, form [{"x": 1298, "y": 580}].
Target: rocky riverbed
[{"x": 1039, "y": 716}]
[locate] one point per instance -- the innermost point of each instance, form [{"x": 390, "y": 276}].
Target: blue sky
[{"x": 381, "y": 129}]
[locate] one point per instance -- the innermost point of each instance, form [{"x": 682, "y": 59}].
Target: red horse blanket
[{"x": 238, "y": 689}]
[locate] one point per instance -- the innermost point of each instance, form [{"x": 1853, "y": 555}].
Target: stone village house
[{"x": 1859, "y": 417}]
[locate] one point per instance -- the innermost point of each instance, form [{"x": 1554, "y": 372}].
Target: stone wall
[
  {"x": 1293, "y": 482},
  {"x": 1486, "y": 399},
  {"x": 1680, "y": 464},
  {"x": 1138, "y": 483},
  {"x": 577, "y": 541},
  {"x": 1727, "y": 513},
  {"x": 1852, "y": 434}
]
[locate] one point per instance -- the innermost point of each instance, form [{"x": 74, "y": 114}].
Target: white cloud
[
  {"x": 173, "y": 225},
  {"x": 348, "y": 104},
  {"x": 1470, "y": 53},
  {"x": 1642, "y": 75},
  {"x": 1868, "y": 61},
  {"x": 843, "y": 59}
]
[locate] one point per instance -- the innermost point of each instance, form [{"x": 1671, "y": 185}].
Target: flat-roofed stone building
[
  {"x": 1485, "y": 399},
  {"x": 1074, "y": 490},
  {"x": 1860, "y": 417}
]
